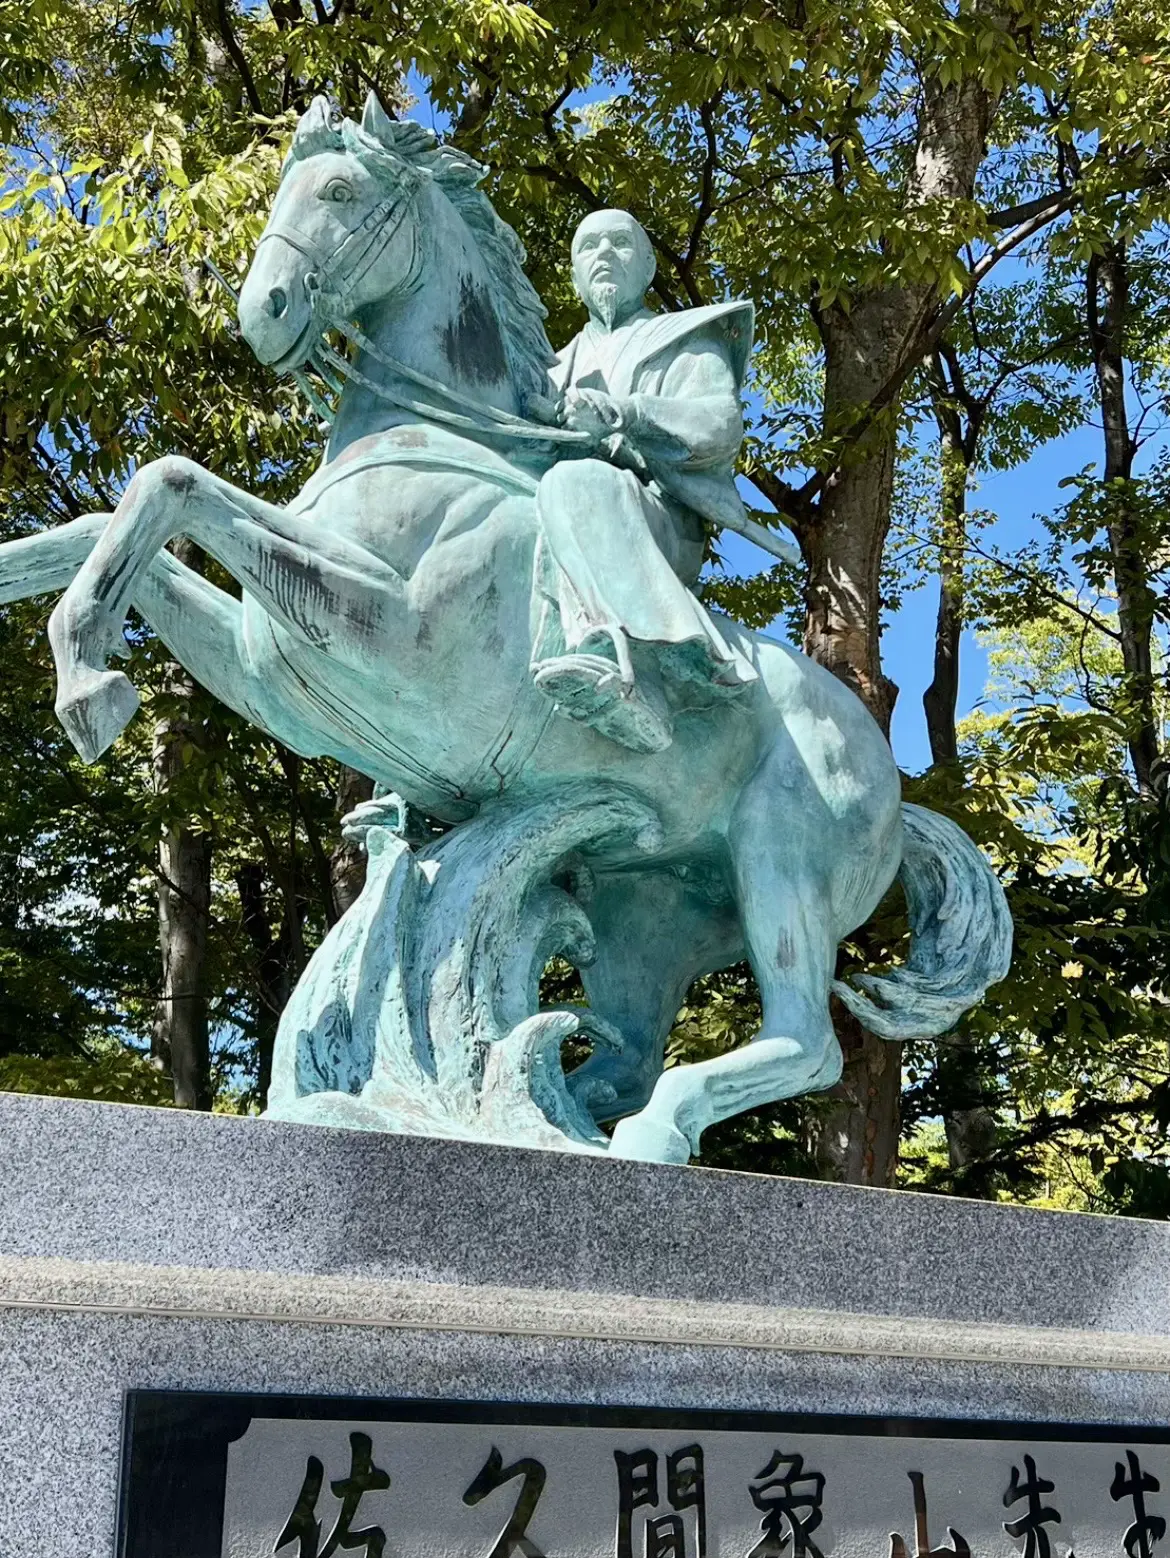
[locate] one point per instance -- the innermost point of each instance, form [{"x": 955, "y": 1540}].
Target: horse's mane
[{"x": 394, "y": 149}]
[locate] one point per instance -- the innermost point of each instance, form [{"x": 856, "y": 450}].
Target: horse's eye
[{"x": 338, "y": 190}]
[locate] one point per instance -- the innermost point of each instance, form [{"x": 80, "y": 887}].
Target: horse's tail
[
  {"x": 960, "y": 935},
  {"x": 48, "y": 560}
]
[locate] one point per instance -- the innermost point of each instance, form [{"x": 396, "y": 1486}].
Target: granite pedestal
[{"x": 146, "y": 1248}]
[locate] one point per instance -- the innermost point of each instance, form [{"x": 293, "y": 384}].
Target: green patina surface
[{"x": 484, "y": 600}]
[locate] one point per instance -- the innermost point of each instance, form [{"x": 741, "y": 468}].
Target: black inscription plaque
[{"x": 240, "y": 1476}]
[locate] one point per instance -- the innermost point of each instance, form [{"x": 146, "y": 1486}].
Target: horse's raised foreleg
[
  {"x": 201, "y": 625},
  {"x": 319, "y": 585},
  {"x": 46, "y": 562},
  {"x": 203, "y": 628}
]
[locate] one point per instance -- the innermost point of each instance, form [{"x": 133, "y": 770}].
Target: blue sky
[{"x": 1016, "y": 497}]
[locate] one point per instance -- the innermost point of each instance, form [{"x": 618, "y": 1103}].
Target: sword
[{"x": 765, "y": 539}]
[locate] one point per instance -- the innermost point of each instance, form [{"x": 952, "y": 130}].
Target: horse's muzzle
[{"x": 276, "y": 310}]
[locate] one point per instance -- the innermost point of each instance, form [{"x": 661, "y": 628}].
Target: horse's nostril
[{"x": 278, "y": 302}]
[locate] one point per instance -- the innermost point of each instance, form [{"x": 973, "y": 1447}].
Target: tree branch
[
  {"x": 231, "y": 43},
  {"x": 1054, "y": 202},
  {"x": 706, "y": 205},
  {"x": 923, "y": 340},
  {"x": 945, "y": 395},
  {"x": 1036, "y": 583},
  {"x": 783, "y": 498}
]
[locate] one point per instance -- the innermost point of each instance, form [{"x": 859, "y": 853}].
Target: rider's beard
[{"x": 605, "y": 301}]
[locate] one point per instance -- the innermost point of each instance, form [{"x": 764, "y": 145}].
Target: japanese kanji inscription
[{"x": 296, "y": 1479}]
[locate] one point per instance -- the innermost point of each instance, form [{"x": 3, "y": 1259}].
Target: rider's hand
[{"x": 592, "y": 411}]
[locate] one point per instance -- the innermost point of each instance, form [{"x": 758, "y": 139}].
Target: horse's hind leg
[
  {"x": 783, "y": 903},
  {"x": 318, "y": 584},
  {"x": 795, "y": 1051},
  {"x": 654, "y": 937}
]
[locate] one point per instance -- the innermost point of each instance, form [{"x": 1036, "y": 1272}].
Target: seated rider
[{"x": 622, "y": 530}]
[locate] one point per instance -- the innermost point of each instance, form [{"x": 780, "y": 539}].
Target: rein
[
  {"x": 468, "y": 415},
  {"x": 499, "y": 424}
]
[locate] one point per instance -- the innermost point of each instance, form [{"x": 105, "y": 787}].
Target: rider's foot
[
  {"x": 95, "y": 708},
  {"x": 590, "y": 688}
]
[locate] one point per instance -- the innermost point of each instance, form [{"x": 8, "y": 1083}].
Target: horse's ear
[
  {"x": 377, "y": 122},
  {"x": 318, "y": 129}
]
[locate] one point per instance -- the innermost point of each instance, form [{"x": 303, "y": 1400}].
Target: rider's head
[{"x": 613, "y": 264}]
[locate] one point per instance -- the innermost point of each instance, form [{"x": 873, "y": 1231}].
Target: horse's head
[
  {"x": 338, "y": 236},
  {"x": 372, "y": 212}
]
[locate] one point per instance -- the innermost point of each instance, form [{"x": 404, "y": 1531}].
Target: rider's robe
[{"x": 628, "y": 535}]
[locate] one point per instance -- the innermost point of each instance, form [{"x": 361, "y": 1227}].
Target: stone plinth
[{"x": 144, "y": 1248}]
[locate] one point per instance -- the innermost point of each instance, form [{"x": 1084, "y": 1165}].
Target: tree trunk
[
  {"x": 843, "y": 547},
  {"x": 866, "y": 349},
  {"x": 965, "y": 1102},
  {"x": 940, "y": 700},
  {"x": 179, "y": 1042},
  {"x": 273, "y": 968},
  {"x": 347, "y": 863},
  {"x": 1107, "y": 296},
  {"x": 858, "y": 1137},
  {"x": 970, "y": 1124},
  {"x": 278, "y": 953}
]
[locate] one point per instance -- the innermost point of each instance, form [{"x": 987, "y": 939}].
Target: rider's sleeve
[{"x": 693, "y": 418}]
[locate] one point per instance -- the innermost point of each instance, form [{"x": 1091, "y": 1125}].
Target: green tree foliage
[{"x": 1069, "y": 1053}]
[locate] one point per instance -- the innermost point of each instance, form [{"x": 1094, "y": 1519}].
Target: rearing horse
[{"x": 385, "y": 621}]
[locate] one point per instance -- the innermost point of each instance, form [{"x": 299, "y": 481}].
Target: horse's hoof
[
  {"x": 96, "y": 711},
  {"x": 649, "y": 1141}
]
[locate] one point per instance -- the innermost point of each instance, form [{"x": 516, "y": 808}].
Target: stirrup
[{"x": 621, "y": 651}]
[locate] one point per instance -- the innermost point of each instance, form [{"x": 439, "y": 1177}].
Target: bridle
[
  {"x": 319, "y": 280},
  {"x": 333, "y": 279}
]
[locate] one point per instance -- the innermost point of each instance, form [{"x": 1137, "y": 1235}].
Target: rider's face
[{"x": 612, "y": 264}]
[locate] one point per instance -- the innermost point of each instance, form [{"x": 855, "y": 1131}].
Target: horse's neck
[{"x": 446, "y": 327}]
